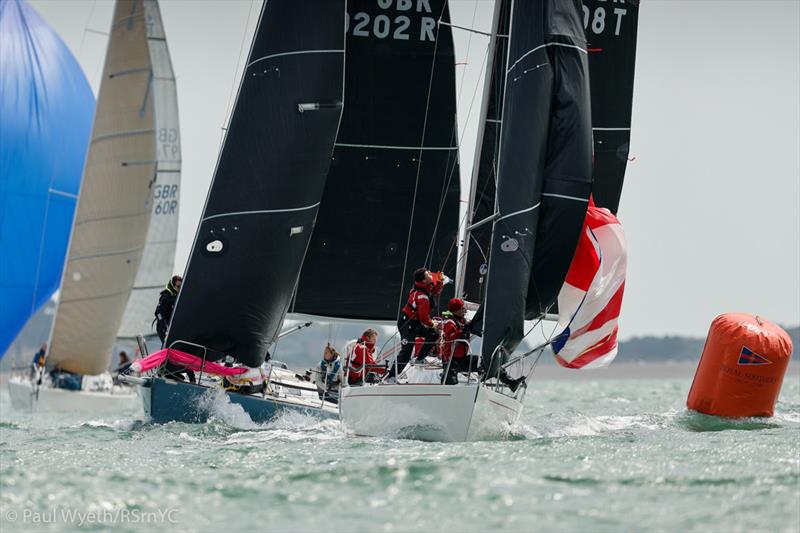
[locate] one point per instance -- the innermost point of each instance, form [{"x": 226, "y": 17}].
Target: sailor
[
  {"x": 166, "y": 304},
  {"x": 455, "y": 331},
  {"x": 415, "y": 319},
  {"x": 123, "y": 365},
  {"x": 361, "y": 364},
  {"x": 37, "y": 369},
  {"x": 328, "y": 376},
  {"x": 164, "y": 309}
]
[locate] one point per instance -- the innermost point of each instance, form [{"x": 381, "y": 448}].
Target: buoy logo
[{"x": 749, "y": 357}]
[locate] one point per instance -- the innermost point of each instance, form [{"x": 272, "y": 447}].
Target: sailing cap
[{"x": 455, "y": 304}]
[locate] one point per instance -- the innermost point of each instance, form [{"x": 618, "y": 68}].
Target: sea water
[{"x": 591, "y": 455}]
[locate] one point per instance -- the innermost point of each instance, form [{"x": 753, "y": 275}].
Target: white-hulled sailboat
[
  {"x": 127, "y": 159},
  {"x": 530, "y": 189}
]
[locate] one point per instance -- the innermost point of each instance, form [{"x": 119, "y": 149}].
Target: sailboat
[
  {"x": 530, "y": 191},
  {"x": 46, "y": 106},
  {"x": 111, "y": 222},
  {"x": 257, "y": 223}
]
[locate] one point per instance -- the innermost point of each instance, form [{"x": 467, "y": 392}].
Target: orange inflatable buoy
[{"x": 742, "y": 367}]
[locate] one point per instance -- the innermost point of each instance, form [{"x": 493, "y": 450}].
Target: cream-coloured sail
[
  {"x": 115, "y": 203},
  {"x": 159, "y": 251}
]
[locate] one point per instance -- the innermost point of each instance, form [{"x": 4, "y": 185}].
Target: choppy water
[{"x": 591, "y": 455}]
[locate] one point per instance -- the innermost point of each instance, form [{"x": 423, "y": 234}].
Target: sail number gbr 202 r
[{"x": 394, "y": 21}]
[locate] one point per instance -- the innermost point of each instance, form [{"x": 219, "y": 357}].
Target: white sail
[
  {"x": 159, "y": 251},
  {"x": 115, "y": 203}
]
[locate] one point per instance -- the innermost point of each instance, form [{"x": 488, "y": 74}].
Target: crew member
[
  {"x": 329, "y": 375},
  {"x": 166, "y": 304},
  {"x": 415, "y": 319},
  {"x": 361, "y": 362},
  {"x": 37, "y": 369},
  {"x": 455, "y": 331},
  {"x": 164, "y": 309}
]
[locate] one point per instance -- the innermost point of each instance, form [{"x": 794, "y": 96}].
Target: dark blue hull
[{"x": 171, "y": 401}]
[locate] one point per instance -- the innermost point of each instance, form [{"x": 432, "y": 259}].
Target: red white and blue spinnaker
[{"x": 590, "y": 300}]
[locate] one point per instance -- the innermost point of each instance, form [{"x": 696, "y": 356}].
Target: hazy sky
[{"x": 710, "y": 204}]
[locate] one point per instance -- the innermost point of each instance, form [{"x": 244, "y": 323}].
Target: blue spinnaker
[{"x": 46, "y": 111}]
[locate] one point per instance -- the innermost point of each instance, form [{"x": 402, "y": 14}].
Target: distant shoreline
[{"x": 659, "y": 370}]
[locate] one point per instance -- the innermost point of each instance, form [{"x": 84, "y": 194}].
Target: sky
[{"x": 711, "y": 203}]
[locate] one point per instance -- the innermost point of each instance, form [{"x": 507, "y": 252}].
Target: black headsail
[
  {"x": 268, "y": 184},
  {"x": 545, "y": 158},
  {"x": 484, "y": 173},
  {"x": 391, "y": 200},
  {"x": 611, "y": 35}
]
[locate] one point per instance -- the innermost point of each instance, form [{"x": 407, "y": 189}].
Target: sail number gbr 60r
[{"x": 394, "y": 22}]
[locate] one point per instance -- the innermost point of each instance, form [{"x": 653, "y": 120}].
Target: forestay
[
  {"x": 268, "y": 183},
  {"x": 46, "y": 109},
  {"x": 159, "y": 251},
  {"x": 391, "y": 200},
  {"x": 115, "y": 202}
]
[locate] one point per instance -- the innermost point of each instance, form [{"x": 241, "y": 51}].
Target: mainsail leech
[{"x": 274, "y": 162}]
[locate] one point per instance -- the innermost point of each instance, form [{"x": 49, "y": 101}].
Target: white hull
[
  {"x": 433, "y": 412},
  {"x": 23, "y": 397}
]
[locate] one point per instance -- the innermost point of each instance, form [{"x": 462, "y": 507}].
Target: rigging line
[
  {"x": 471, "y": 30},
  {"x": 85, "y": 30},
  {"x": 419, "y": 162},
  {"x": 228, "y": 110},
  {"x": 452, "y": 171}
]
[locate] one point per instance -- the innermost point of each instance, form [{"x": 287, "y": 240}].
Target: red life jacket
[
  {"x": 418, "y": 306},
  {"x": 452, "y": 330},
  {"x": 362, "y": 362}
]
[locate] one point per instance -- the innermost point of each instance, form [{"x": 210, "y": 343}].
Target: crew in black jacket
[{"x": 166, "y": 304}]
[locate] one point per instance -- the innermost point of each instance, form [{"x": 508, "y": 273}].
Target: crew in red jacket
[
  {"x": 455, "y": 331},
  {"x": 362, "y": 361},
  {"x": 415, "y": 318}
]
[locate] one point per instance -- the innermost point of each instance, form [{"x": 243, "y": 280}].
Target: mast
[{"x": 487, "y": 87}]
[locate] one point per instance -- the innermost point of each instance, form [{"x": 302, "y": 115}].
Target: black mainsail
[
  {"x": 544, "y": 170},
  {"x": 391, "y": 199},
  {"x": 611, "y": 36},
  {"x": 268, "y": 183}
]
